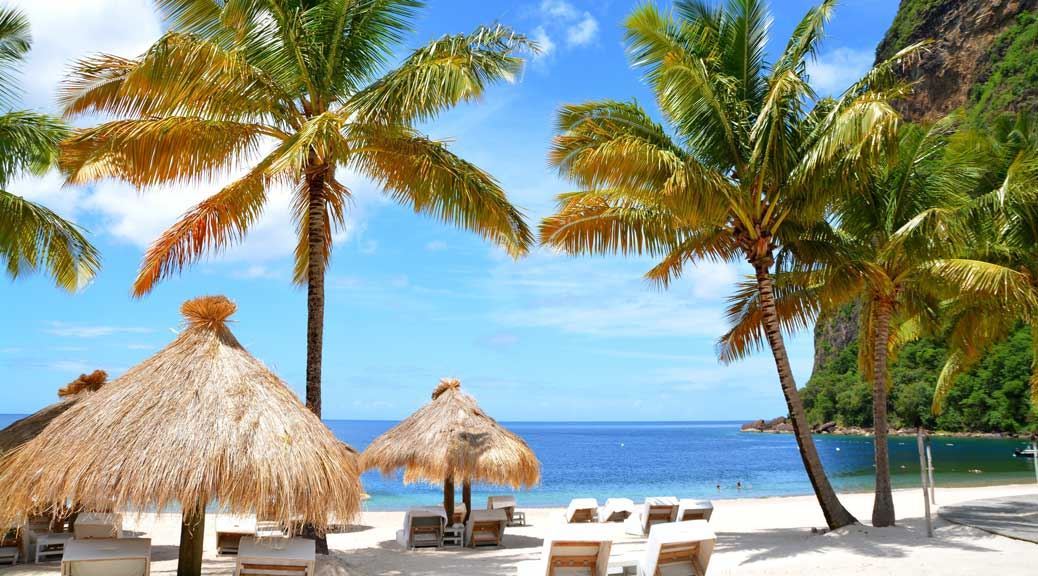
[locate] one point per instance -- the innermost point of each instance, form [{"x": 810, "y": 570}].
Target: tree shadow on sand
[
  {"x": 432, "y": 562},
  {"x": 894, "y": 542}
]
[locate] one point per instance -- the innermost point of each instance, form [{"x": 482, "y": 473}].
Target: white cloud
[
  {"x": 69, "y": 330},
  {"x": 257, "y": 271},
  {"x": 436, "y": 246},
  {"x": 583, "y": 32},
  {"x": 547, "y": 46},
  {"x": 559, "y": 9},
  {"x": 834, "y": 71},
  {"x": 561, "y": 19},
  {"x": 66, "y": 30}
]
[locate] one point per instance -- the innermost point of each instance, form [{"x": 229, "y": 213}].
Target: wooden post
[
  {"x": 929, "y": 471},
  {"x": 1034, "y": 455},
  {"x": 192, "y": 536},
  {"x": 922, "y": 478},
  {"x": 466, "y": 497},
  {"x": 448, "y": 498}
]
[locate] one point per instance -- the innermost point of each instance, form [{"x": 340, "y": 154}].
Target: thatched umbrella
[
  {"x": 452, "y": 439},
  {"x": 21, "y": 431},
  {"x": 200, "y": 421}
]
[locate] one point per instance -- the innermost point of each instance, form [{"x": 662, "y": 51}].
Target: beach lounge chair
[
  {"x": 507, "y": 503},
  {"x": 10, "y": 546},
  {"x": 689, "y": 509},
  {"x": 107, "y": 557},
  {"x": 230, "y": 529},
  {"x": 571, "y": 550},
  {"x": 678, "y": 549},
  {"x": 582, "y": 510},
  {"x": 276, "y": 557},
  {"x": 616, "y": 510},
  {"x": 459, "y": 513},
  {"x": 485, "y": 528},
  {"x": 656, "y": 510},
  {"x": 423, "y": 527},
  {"x": 91, "y": 525},
  {"x": 48, "y": 545}
]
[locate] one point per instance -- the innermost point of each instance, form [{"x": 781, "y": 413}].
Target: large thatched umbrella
[
  {"x": 452, "y": 439},
  {"x": 21, "y": 431},
  {"x": 200, "y": 421}
]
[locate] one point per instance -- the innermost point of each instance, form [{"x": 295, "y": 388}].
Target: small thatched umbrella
[
  {"x": 21, "y": 431},
  {"x": 200, "y": 421},
  {"x": 452, "y": 439}
]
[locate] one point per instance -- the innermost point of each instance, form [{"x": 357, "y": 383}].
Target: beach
[{"x": 754, "y": 536}]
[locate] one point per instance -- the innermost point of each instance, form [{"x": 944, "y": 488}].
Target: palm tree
[
  {"x": 998, "y": 276},
  {"x": 289, "y": 92},
  {"x": 746, "y": 156},
  {"x": 32, "y": 237},
  {"x": 910, "y": 213}
]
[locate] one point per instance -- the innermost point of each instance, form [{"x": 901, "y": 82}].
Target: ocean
[
  {"x": 698, "y": 460},
  {"x": 693, "y": 460}
]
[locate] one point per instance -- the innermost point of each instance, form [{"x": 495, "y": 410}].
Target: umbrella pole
[
  {"x": 192, "y": 535},
  {"x": 466, "y": 497},
  {"x": 448, "y": 498}
]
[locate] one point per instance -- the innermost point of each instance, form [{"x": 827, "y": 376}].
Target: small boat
[{"x": 1024, "y": 453}]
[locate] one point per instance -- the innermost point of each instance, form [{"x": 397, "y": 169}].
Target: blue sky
[{"x": 410, "y": 300}]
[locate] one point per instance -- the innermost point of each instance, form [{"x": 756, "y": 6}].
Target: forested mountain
[{"x": 985, "y": 60}]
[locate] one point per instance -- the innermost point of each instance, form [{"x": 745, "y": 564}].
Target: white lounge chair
[
  {"x": 678, "y": 549},
  {"x": 48, "y": 545},
  {"x": 571, "y": 550},
  {"x": 689, "y": 509},
  {"x": 507, "y": 503},
  {"x": 655, "y": 510},
  {"x": 275, "y": 557},
  {"x": 230, "y": 529},
  {"x": 90, "y": 525},
  {"x": 582, "y": 510},
  {"x": 485, "y": 528},
  {"x": 616, "y": 510},
  {"x": 107, "y": 557},
  {"x": 423, "y": 527}
]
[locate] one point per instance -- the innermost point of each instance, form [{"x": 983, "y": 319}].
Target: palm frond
[
  {"x": 442, "y": 74},
  {"x": 217, "y": 222},
  {"x": 425, "y": 175},
  {"x": 162, "y": 150},
  {"x": 35, "y": 239},
  {"x": 15, "y": 41},
  {"x": 608, "y": 222},
  {"x": 28, "y": 143}
]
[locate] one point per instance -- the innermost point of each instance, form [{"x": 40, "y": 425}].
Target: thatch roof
[
  {"x": 199, "y": 421},
  {"x": 21, "y": 431},
  {"x": 453, "y": 437}
]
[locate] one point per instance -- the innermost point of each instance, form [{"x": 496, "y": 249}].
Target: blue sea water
[{"x": 692, "y": 459}]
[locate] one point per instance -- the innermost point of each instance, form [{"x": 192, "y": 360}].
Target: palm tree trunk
[
  {"x": 883, "y": 506},
  {"x": 315, "y": 286},
  {"x": 317, "y": 205},
  {"x": 836, "y": 515}
]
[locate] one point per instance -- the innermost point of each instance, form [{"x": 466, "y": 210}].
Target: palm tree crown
[{"x": 32, "y": 237}]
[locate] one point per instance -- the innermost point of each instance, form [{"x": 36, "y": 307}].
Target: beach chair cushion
[
  {"x": 423, "y": 527},
  {"x": 616, "y": 510}
]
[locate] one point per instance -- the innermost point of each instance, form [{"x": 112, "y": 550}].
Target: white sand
[{"x": 755, "y": 536}]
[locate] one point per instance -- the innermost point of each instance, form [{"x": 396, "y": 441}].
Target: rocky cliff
[{"x": 984, "y": 56}]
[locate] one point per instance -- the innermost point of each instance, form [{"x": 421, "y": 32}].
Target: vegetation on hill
[
  {"x": 909, "y": 19},
  {"x": 1012, "y": 83},
  {"x": 991, "y": 397}
]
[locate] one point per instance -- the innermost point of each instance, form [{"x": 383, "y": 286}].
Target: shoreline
[{"x": 738, "y": 497}]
